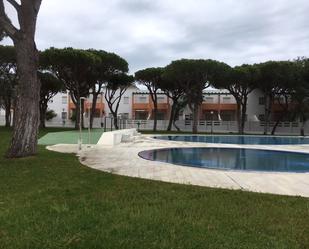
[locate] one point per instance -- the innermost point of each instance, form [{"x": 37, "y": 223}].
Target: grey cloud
[{"x": 152, "y": 33}]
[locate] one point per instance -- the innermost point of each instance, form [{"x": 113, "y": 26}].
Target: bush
[{"x": 50, "y": 114}]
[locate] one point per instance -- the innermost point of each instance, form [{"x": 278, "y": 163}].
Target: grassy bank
[{"x": 52, "y": 201}]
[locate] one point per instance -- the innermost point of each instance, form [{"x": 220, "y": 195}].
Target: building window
[
  {"x": 161, "y": 99},
  {"x": 142, "y": 99},
  {"x": 124, "y": 115},
  {"x": 261, "y": 100},
  {"x": 209, "y": 99},
  {"x": 226, "y": 99},
  {"x": 262, "y": 117},
  {"x": 126, "y": 100},
  {"x": 64, "y": 100},
  {"x": 64, "y": 115}
]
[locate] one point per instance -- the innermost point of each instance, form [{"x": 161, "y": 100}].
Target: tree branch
[
  {"x": 6, "y": 23},
  {"x": 14, "y": 4}
]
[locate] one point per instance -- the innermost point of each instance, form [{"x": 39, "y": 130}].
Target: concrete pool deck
[{"x": 123, "y": 159}]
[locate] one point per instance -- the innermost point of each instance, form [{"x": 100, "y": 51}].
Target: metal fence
[
  {"x": 220, "y": 126},
  {"x": 255, "y": 127}
]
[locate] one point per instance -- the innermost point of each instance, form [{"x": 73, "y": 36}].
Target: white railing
[{"x": 257, "y": 127}]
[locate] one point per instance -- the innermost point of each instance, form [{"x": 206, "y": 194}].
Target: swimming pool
[
  {"x": 231, "y": 158},
  {"x": 233, "y": 139}
]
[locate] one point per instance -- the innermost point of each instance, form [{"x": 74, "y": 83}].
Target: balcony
[
  {"x": 149, "y": 106},
  {"x": 217, "y": 107},
  {"x": 87, "y": 105}
]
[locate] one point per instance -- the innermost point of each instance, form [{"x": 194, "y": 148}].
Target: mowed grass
[
  {"x": 52, "y": 201},
  {"x": 71, "y": 137}
]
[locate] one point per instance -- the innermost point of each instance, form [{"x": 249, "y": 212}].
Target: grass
[
  {"x": 70, "y": 137},
  {"x": 52, "y": 201}
]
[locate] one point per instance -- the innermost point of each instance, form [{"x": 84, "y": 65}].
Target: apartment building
[
  {"x": 136, "y": 104},
  {"x": 218, "y": 105}
]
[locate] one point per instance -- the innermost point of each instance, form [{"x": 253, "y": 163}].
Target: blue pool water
[
  {"x": 238, "y": 139},
  {"x": 232, "y": 158}
]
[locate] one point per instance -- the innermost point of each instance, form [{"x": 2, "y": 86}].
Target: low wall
[
  {"x": 116, "y": 137},
  {"x": 254, "y": 127}
]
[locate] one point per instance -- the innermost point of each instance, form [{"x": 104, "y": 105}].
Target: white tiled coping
[{"x": 123, "y": 159}]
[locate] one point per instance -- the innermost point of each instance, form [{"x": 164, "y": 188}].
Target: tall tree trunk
[
  {"x": 177, "y": 111},
  {"x": 195, "y": 118},
  {"x": 8, "y": 113},
  {"x": 93, "y": 108},
  {"x": 155, "y": 115},
  {"x": 239, "y": 115},
  {"x": 25, "y": 132},
  {"x": 302, "y": 128},
  {"x": 243, "y": 116},
  {"x": 277, "y": 123},
  {"x": 268, "y": 103},
  {"x": 43, "y": 110},
  {"x": 172, "y": 115},
  {"x": 115, "y": 117}
]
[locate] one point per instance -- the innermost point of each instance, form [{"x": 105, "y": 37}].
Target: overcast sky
[{"x": 153, "y": 33}]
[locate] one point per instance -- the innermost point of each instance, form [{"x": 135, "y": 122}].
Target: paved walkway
[{"x": 124, "y": 160}]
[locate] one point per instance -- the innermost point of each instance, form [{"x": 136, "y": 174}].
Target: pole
[
  {"x": 104, "y": 124},
  {"x": 80, "y": 124},
  {"x": 212, "y": 121},
  {"x": 89, "y": 140}
]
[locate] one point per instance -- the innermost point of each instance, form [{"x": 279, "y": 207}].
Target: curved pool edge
[
  {"x": 226, "y": 139},
  {"x": 124, "y": 160},
  {"x": 205, "y": 167}
]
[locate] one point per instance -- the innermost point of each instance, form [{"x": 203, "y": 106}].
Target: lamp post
[
  {"x": 89, "y": 128},
  {"x": 212, "y": 121},
  {"x": 80, "y": 140}
]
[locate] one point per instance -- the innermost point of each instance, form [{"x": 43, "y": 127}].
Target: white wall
[
  {"x": 59, "y": 105},
  {"x": 254, "y": 109},
  {"x": 125, "y": 103}
]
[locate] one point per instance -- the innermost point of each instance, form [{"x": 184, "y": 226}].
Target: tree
[
  {"x": 272, "y": 76},
  {"x": 50, "y": 86},
  {"x": 115, "y": 89},
  {"x": 110, "y": 64},
  {"x": 193, "y": 76},
  {"x": 8, "y": 80},
  {"x": 290, "y": 79},
  {"x": 151, "y": 77},
  {"x": 300, "y": 93},
  {"x": 26, "y": 115},
  {"x": 240, "y": 81},
  {"x": 175, "y": 92},
  {"x": 74, "y": 67}
]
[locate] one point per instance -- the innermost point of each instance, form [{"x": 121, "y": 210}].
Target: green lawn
[
  {"x": 71, "y": 137},
  {"x": 52, "y": 201}
]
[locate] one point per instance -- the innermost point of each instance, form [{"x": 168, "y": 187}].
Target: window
[
  {"x": 126, "y": 100},
  {"x": 64, "y": 100},
  {"x": 226, "y": 99},
  {"x": 209, "y": 99},
  {"x": 262, "y": 117},
  {"x": 188, "y": 117},
  {"x": 142, "y": 99},
  {"x": 161, "y": 99},
  {"x": 124, "y": 115},
  {"x": 261, "y": 101},
  {"x": 64, "y": 115}
]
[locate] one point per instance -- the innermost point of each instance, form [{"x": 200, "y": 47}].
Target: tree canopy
[
  {"x": 50, "y": 86},
  {"x": 76, "y": 69},
  {"x": 151, "y": 77},
  {"x": 8, "y": 80}
]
